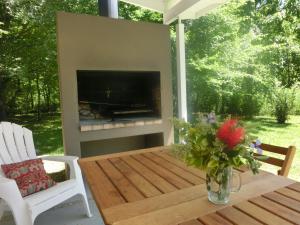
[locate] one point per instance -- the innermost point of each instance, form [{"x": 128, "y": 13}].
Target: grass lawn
[
  {"x": 46, "y": 132},
  {"x": 48, "y": 137}
]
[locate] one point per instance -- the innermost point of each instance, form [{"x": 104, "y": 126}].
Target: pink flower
[{"x": 230, "y": 134}]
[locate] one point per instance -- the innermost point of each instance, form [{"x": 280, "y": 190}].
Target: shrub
[
  {"x": 283, "y": 103},
  {"x": 250, "y": 105},
  {"x": 296, "y": 108}
]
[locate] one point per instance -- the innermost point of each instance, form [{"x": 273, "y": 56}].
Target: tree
[
  {"x": 278, "y": 22},
  {"x": 223, "y": 71},
  {"x": 237, "y": 54},
  {"x": 28, "y": 68}
]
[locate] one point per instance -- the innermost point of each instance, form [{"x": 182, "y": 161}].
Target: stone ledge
[{"x": 92, "y": 125}]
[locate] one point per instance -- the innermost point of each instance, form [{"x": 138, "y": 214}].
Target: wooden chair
[{"x": 284, "y": 164}]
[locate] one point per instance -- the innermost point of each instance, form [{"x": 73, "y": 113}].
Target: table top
[{"x": 151, "y": 187}]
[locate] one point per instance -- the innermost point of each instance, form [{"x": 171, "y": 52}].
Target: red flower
[{"x": 230, "y": 133}]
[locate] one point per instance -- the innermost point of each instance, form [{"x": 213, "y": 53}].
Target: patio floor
[{"x": 70, "y": 212}]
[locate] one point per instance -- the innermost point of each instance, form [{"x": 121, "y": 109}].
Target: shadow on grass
[
  {"x": 259, "y": 124},
  {"x": 47, "y": 132}
]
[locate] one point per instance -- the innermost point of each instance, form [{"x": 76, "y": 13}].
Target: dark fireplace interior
[{"x": 118, "y": 95}]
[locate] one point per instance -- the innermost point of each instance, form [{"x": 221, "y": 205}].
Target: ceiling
[{"x": 175, "y": 9}]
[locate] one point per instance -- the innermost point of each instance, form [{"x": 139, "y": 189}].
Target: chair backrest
[
  {"x": 16, "y": 143},
  {"x": 284, "y": 164}
]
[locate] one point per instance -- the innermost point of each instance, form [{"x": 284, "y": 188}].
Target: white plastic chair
[{"x": 16, "y": 145}]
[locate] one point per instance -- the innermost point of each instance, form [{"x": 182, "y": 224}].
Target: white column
[
  {"x": 181, "y": 71},
  {"x": 113, "y": 9}
]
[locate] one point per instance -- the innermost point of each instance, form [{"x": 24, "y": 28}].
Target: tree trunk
[
  {"x": 38, "y": 98},
  {"x": 48, "y": 97},
  {"x": 31, "y": 99},
  {"x": 3, "y": 115}
]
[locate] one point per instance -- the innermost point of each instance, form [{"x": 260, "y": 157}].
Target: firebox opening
[{"x": 109, "y": 96}]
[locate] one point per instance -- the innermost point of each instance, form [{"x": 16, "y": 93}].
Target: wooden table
[{"x": 150, "y": 187}]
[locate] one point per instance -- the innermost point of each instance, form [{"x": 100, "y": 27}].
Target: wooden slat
[
  {"x": 271, "y": 160},
  {"x": 140, "y": 170},
  {"x": 170, "y": 158},
  {"x": 237, "y": 217},
  {"x": 148, "y": 174},
  {"x": 283, "y": 200},
  {"x": 136, "y": 179},
  {"x": 175, "y": 169},
  {"x": 192, "y": 222},
  {"x": 279, "y": 210},
  {"x": 128, "y": 210},
  {"x": 273, "y": 148},
  {"x": 248, "y": 177},
  {"x": 284, "y": 171},
  {"x": 199, "y": 207},
  {"x": 132, "y": 209},
  {"x": 214, "y": 219},
  {"x": 289, "y": 193},
  {"x": 261, "y": 214},
  {"x": 173, "y": 215},
  {"x": 243, "y": 168},
  {"x": 127, "y": 190},
  {"x": 120, "y": 154},
  {"x": 104, "y": 192},
  {"x": 295, "y": 187},
  {"x": 166, "y": 174}
]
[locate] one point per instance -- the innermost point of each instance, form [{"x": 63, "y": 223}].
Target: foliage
[
  {"x": 28, "y": 56},
  {"x": 278, "y": 22},
  {"x": 296, "y": 108},
  {"x": 214, "y": 147},
  {"x": 235, "y": 54},
  {"x": 284, "y": 102},
  {"x": 47, "y": 132},
  {"x": 2, "y": 32},
  {"x": 135, "y": 13},
  {"x": 238, "y": 53}
]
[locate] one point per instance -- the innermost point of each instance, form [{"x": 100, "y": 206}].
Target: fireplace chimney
[{"x": 108, "y": 8}]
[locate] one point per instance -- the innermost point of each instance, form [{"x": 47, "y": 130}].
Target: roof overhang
[
  {"x": 175, "y": 9},
  {"x": 154, "y": 5}
]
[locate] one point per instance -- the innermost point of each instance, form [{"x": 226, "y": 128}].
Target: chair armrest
[
  {"x": 75, "y": 171},
  {"x": 65, "y": 158},
  {"x": 6, "y": 181},
  {"x": 9, "y": 191}
]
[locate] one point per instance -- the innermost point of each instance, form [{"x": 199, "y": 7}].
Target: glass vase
[{"x": 220, "y": 187}]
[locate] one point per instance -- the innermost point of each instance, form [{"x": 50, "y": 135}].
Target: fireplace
[
  {"x": 94, "y": 51},
  {"x": 114, "y": 97}
]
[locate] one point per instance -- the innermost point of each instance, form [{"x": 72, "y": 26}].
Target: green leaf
[
  {"x": 262, "y": 157},
  {"x": 232, "y": 153}
]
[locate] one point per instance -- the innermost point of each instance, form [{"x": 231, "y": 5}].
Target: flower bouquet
[{"x": 216, "y": 148}]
